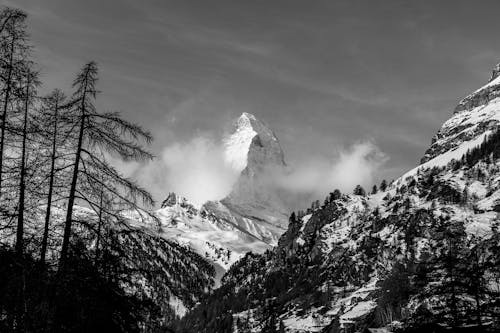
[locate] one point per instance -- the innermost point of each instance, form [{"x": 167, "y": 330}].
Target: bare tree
[
  {"x": 100, "y": 134},
  {"x": 14, "y": 49},
  {"x": 54, "y": 102},
  {"x": 31, "y": 81}
]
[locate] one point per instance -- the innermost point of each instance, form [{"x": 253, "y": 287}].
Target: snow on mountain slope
[
  {"x": 238, "y": 143},
  {"x": 474, "y": 115},
  {"x": 160, "y": 271},
  {"x": 251, "y": 217},
  {"x": 465, "y": 193},
  {"x": 455, "y": 153},
  {"x": 254, "y": 202},
  {"x": 219, "y": 242}
]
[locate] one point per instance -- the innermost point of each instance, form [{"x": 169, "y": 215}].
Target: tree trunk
[
  {"x": 74, "y": 181},
  {"x": 99, "y": 227},
  {"x": 51, "y": 185},
  {"x": 22, "y": 185}
]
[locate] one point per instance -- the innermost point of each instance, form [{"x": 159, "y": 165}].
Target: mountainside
[
  {"x": 254, "y": 202},
  {"x": 250, "y": 218},
  {"x": 421, "y": 255},
  {"x": 474, "y": 117},
  {"x": 164, "y": 274}
]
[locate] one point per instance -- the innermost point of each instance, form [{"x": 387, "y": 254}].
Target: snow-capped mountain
[
  {"x": 251, "y": 218},
  {"x": 419, "y": 255},
  {"x": 254, "y": 202},
  {"x": 252, "y": 146}
]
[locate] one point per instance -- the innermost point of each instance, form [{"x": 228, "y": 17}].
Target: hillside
[
  {"x": 250, "y": 218},
  {"x": 419, "y": 255}
]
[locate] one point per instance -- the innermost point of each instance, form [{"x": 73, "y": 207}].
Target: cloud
[
  {"x": 193, "y": 169},
  {"x": 355, "y": 165},
  {"x": 197, "y": 169}
]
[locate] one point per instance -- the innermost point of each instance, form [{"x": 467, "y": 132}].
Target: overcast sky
[{"x": 323, "y": 74}]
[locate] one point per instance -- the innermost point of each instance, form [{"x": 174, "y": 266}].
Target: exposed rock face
[
  {"x": 474, "y": 115},
  {"x": 254, "y": 200},
  {"x": 252, "y": 145},
  {"x": 262, "y": 155}
]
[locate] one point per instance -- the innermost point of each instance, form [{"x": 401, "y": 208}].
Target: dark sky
[{"x": 323, "y": 74}]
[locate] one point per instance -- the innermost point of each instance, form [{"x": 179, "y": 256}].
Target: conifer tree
[
  {"x": 100, "y": 134},
  {"x": 336, "y": 194},
  {"x": 383, "y": 185},
  {"x": 359, "y": 190}
]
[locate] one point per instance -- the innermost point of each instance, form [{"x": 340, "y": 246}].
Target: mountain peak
[
  {"x": 249, "y": 121},
  {"x": 246, "y": 119},
  {"x": 249, "y": 132},
  {"x": 254, "y": 150}
]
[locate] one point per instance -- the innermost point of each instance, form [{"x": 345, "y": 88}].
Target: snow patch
[{"x": 238, "y": 143}]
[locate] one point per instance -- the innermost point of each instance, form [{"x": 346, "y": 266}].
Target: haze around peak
[
  {"x": 206, "y": 167},
  {"x": 186, "y": 67}
]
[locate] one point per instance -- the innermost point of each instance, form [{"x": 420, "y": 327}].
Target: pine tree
[
  {"x": 383, "y": 185},
  {"x": 374, "y": 189},
  {"x": 335, "y": 195},
  {"x": 476, "y": 278},
  {"x": 445, "y": 274},
  {"x": 359, "y": 190}
]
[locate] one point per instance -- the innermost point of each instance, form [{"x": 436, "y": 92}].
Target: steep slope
[
  {"x": 475, "y": 115},
  {"x": 164, "y": 274},
  {"x": 254, "y": 204},
  {"x": 250, "y": 218},
  {"x": 220, "y": 243},
  {"x": 420, "y": 256}
]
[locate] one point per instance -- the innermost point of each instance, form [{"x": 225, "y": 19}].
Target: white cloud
[
  {"x": 198, "y": 171},
  {"x": 193, "y": 169},
  {"x": 355, "y": 165}
]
